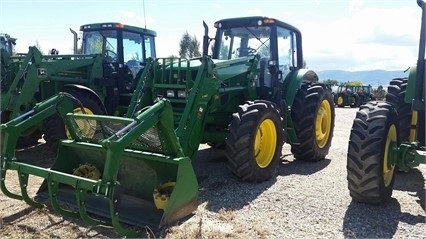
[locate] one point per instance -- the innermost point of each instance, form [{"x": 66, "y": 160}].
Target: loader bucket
[
  {"x": 142, "y": 183},
  {"x": 130, "y": 170}
]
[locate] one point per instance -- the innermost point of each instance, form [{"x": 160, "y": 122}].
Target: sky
[{"x": 350, "y": 35}]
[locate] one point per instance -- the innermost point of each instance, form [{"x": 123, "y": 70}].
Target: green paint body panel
[{"x": 411, "y": 86}]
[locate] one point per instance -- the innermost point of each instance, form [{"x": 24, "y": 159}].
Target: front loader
[
  {"x": 248, "y": 91},
  {"x": 101, "y": 74},
  {"x": 389, "y": 136}
]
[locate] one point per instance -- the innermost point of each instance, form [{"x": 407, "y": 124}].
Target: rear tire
[
  {"x": 29, "y": 140},
  {"x": 395, "y": 96},
  {"x": 369, "y": 173},
  {"x": 54, "y": 127},
  {"x": 354, "y": 101},
  {"x": 313, "y": 117},
  {"x": 255, "y": 141}
]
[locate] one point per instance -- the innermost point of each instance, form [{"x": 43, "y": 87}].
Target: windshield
[
  {"x": 244, "y": 41},
  {"x": 95, "y": 42}
]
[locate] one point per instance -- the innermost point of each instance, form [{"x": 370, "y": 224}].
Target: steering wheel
[
  {"x": 110, "y": 55},
  {"x": 246, "y": 51}
]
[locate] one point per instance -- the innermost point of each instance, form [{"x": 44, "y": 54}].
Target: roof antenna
[{"x": 144, "y": 16}]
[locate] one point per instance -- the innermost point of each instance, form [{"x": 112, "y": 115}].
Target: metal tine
[
  {"x": 53, "y": 188},
  {"x": 3, "y": 185},
  {"x": 23, "y": 183},
  {"x": 115, "y": 218},
  {"x": 80, "y": 197}
]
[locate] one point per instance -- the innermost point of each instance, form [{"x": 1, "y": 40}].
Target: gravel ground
[{"x": 307, "y": 200}]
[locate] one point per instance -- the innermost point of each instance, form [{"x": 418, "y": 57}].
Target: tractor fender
[
  {"x": 294, "y": 80},
  {"x": 411, "y": 85},
  {"x": 86, "y": 90}
]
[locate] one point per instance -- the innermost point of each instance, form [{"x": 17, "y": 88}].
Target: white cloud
[{"x": 370, "y": 38}]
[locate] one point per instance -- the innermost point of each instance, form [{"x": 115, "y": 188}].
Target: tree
[
  {"x": 37, "y": 45},
  {"x": 189, "y": 46},
  {"x": 354, "y": 83},
  {"x": 330, "y": 82}
]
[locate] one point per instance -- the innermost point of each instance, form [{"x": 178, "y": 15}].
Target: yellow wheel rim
[
  {"x": 387, "y": 169},
  {"x": 87, "y": 127},
  {"x": 265, "y": 143},
  {"x": 340, "y": 100},
  {"x": 323, "y": 124}
]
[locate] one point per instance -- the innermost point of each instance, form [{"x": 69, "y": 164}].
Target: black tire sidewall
[
  {"x": 304, "y": 112},
  {"x": 240, "y": 143},
  {"x": 366, "y": 150}
]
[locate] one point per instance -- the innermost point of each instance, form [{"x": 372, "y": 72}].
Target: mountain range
[{"x": 372, "y": 77}]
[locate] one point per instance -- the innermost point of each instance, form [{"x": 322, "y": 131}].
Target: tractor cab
[
  {"x": 277, "y": 43},
  {"x": 125, "y": 50},
  {"x": 7, "y": 43}
]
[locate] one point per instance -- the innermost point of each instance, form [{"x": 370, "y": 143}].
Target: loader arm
[
  {"x": 36, "y": 68},
  {"x": 201, "y": 80}
]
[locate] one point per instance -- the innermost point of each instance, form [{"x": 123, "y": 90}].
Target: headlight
[
  {"x": 170, "y": 93},
  {"x": 182, "y": 94}
]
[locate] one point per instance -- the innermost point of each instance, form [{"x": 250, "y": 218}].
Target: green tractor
[
  {"x": 389, "y": 136},
  {"x": 346, "y": 96},
  {"x": 7, "y": 43},
  {"x": 249, "y": 93},
  {"x": 102, "y": 77},
  {"x": 365, "y": 94}
]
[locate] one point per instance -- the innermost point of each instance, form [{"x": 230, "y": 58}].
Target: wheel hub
[
  {"x": 323, "y": 124},
  {"x": 265, "y": 143}
]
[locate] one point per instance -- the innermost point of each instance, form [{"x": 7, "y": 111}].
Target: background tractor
[
  {"x": 365, "y": 94},
  {"x": 346, "y": 96},
  {"x": 7, "y": 43},
  {"x": 248, "y": 91},
  {"x": 389, "y": 136},
  {"x": 102, "y": 77}
]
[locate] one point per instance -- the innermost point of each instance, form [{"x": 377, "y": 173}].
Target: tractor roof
[
  {"x": 253, "y": 21},
  {"x": 116, "y": 25}
]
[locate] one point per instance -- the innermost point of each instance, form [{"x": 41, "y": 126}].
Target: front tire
[
  {"x": 341, "y": 102},
  {"x": 370, "y": 170},
  {"x": 313, "y": 117},
  {"x": 255, "y": 141}
]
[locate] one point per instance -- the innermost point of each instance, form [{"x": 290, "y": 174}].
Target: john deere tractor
[
  {"x": 346, "y": 96},
  {"x": 389, "y": 136},
  {"x": 249, "y": 92},
  {"x": 365, "y": 94},
  {"x": 7, "y": 43},
  {"x": 102, "y": 77}
]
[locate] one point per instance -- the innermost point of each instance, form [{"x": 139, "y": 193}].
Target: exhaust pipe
[
  {"x": 205, "y": 39},
  {"x": 75, "y": 40}
]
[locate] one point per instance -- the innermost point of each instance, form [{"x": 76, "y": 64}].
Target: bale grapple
[{"x": 130, "y": 170}]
